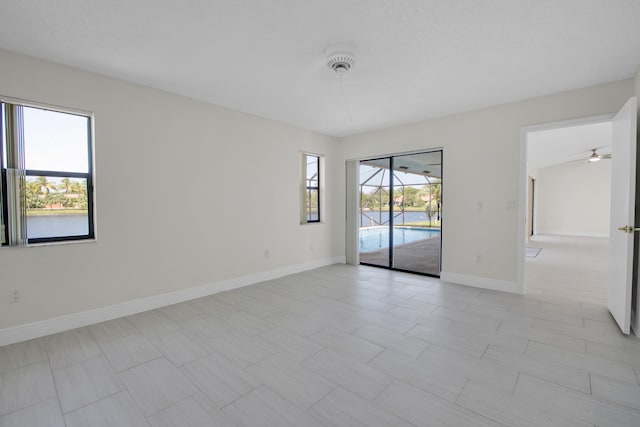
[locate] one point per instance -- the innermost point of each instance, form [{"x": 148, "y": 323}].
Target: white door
[{"x": 623, "y": 192}]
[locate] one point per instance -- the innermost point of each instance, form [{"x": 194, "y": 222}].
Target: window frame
[
  {"x": 308, "y": 189},
  {"x": 89, "y": 176}
]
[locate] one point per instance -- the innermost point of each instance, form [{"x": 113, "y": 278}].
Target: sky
[{"x": 55, "y": 141}]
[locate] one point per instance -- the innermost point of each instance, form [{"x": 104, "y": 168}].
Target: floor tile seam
[
  {"x": 527, "y": 332},
  {"x": 410, "y": 329},
  {"x": 567, "y": 334},
  {"x": 110, "y": 339},
  {"x": 335, "y": 387},
  {"x": 614, "y": 404},
  {"x": 308, "y": 411},
  {"x": 377, "y": 403},
  {"x": 552, "y": 383},
  {"x": 55, "y": 388},
  {"x": 55, "y": 384},
  {"x": 542, "y": 362},
  {"x": 515, "y": 384},
  {"x": 180, "y": 329},
  {"x": 160, "y": 356},
  {"x": 66, "y": 365},
  {"x": 31, "y": 406},
  {"x": 249, "y": 365},
  {"x": 94, "y": 401},
  {"x": 143, "y": 363},
  {"x": 8, "y": 371},
  {"x": 156, "y": 411},
  {"x": 209, "y": 352},
  {"x": 590, "y": 369},
  {"x": 583, "y": 353},
  {"x": 52, "y": 376},
  {"x": 347, "y": 367},
  {"x": 239, "y": 368},
  {"x": 467, "y": 380},
  {"x": 560, "y": 323},
  {"x": 303, "y": 366},
  {"x": 214, "y": 404},
  {"x": 438, "y": 397},
  {"x": 476, "y": 413}
]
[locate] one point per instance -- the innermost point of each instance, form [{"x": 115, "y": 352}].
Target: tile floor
[{"x": 345, "y": 346}]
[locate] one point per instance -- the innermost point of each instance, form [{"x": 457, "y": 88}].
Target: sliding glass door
[
  {"x": 375, "y": 218},
  {"x": 400, "y": 212}
]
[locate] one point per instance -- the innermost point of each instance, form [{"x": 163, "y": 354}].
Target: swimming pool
[{"x": 376, "y": 238}]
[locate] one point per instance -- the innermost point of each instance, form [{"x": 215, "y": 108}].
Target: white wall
[
  {"x": 482, "y": 152},
  {"x": 188, "y": 194},
  {"x": 573, "y": 199}
]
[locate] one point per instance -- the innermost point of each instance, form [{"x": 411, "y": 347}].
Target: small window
[
  {"x": 312, "y": 188},
  {"x": 47, "y": 175}
]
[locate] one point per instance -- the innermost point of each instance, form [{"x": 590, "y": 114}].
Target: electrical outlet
[
  {"x": 479, "y": 258},
  {"x": 266, "y": 253},
  {"x": 15, "y": 296}
]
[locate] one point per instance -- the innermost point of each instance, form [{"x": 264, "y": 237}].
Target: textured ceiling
[{"x": 416, "y": 59}]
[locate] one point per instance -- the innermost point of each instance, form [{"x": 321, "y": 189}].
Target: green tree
[
  {"x": 43, "y": 184},
  {"x": 431, "y": 194},
  {"x": 65, "y": 184}
]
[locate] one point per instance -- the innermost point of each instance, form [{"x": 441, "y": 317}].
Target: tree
[
  {"x": 65, "y": 184},
  {"x": 412, "y": 196},
  {"x": 431, "y": 194},
  {"x": 43, "y": 184}
]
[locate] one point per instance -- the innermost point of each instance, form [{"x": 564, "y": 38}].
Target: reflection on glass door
[
  {"x": 400, "y": 212},
  {"x": 375, "y": 192}
]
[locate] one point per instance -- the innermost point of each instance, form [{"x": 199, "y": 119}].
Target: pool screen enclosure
[{"x": 400, "y": 221}]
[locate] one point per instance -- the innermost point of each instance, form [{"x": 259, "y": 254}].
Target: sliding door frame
[{"x": 391, "y": 158}]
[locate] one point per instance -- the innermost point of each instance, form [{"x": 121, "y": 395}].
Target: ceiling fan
[{"x": 595, "y": 157}]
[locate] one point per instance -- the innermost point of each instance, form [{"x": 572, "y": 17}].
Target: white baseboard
[
  {"x": 573, "y": 234},
  {"x": 481, "y": 282},
  {"x": 84, "y": 318}
]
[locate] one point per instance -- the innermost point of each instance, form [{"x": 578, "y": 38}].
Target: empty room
[{"x": 319, "y": 213}]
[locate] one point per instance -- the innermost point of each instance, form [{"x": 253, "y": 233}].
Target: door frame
[
  {"x": 531, "y": 187},
  {"x": 522, "y": 182}
]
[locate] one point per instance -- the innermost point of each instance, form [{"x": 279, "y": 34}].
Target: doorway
[
  {"x": 400, "y": 212},
  {"x": 566, "y": 204}
]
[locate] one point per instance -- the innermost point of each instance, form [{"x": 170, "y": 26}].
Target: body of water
[
  {"x": 39, "y": 226},
  {"x": 376, "y": 238},
  {"x": 373, "y": 218}
]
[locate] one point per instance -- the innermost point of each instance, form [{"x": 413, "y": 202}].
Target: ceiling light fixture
[{"x": 594, "y": 157}]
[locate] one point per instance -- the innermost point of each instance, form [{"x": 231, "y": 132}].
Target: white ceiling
[
  {"x": 555, "y": 146},
  {"x": 416, "y": 59}
]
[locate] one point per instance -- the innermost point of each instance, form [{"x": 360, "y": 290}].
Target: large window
[
  {"x": 312, "y": 188},
  {"x": 47, "y": 174}
]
